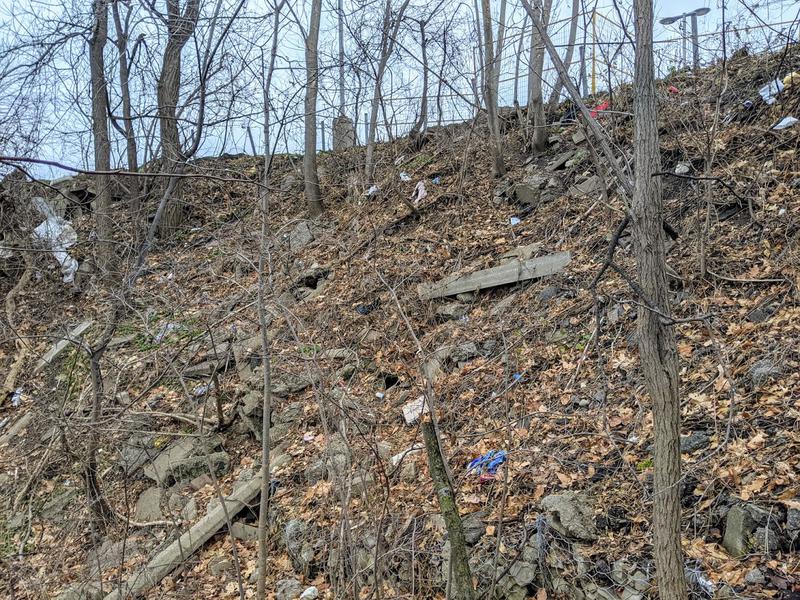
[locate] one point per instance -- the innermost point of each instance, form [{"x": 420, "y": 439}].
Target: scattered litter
[
  {"x": 748, "y": 105},
  {"x": 16, "y": 398},
  {"x": 59, "y": 235},
  {"x": 463, "y": 319},
  {"x": 202, "y": 390},
  {"x": 781, "y": 212},
  {"x": 308, "y": 436},
  {"x": 791, "y": 79},
  {"x": 165, "y": 330},
  {"x": 413, "y": 410},
  {"x": 419, "y": 192},
  {"x": 405, "y": 176},
  {"x": 515, "y": 221},
  {"x": 785, "y": 123},
  {"x": 486, "y": 466},
  {"x": 310, "y": 594},
  {"x": 517, "y": 377},
  {"x": 380, "y": 395},
  {"x": 683, "y": 168},
  {"x": 673, "y": 90},
  {"x": 373, "y": 189},
  {"x": 605, "y": 105},
  {"x": 436, "y": 180},
  {"x": 772, "y": 89},
  {"x": 365, "y": 309}
]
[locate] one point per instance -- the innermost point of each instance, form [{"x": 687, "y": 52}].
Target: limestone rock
[
  {"x": 742, "y": 520},
  {"x": 81, "y": 591},
  {"x": 148, "y": 506},
  {"x": 288, "y": 589},
  {"x": 764, "y": 371},
  {"x": 571, "y": 514},
  {"x": 300, "y": 236}
]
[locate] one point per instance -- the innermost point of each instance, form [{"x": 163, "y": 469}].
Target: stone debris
[
  {"x": 58, "y": 348},
  {"x": 413, "y": 410},
  {"x": 162, "y": 469}
]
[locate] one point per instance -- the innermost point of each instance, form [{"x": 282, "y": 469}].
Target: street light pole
[
  {"x": 695, "y": 43},
  {"x": 699, "y": 12}
]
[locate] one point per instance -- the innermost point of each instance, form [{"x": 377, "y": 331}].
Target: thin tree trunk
[
  {"x": 422, "y": 120},
  {"x": 264, "y": 265},
  {"x": 179, "y": 29},
  {"x": 310, "y": 177},
  {"x": 388, "y": 39},
  {"x": 656, "y": 339},
  {"x": 536, "y": 113},
  {"x": 459, "y": 557},
  {"x": 131, "y": 151},
  {"x": 573, "y": 33},
  {"x": 102, "y": 144},
  {"x": 490, "y": 91}
]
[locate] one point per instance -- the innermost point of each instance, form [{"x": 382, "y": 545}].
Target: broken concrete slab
[
  {"x": 578, "y": 137},
  {"x": 521, "y": 252},
  {"x": 18, "y": 427},
  {"x": 171, "y": 557},
  {"x": 511, "y": 272},
  {"x": 58, "y": 348},
  {"x": 244, "y": 532},
  {"x": 590, "y": 186},
  {"x": 148, "y": 506},
  {"x": 559, "y": 161},
  {"x": 161, "y": 468}
]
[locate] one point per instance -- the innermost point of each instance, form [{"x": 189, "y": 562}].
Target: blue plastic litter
[
  {"x": 436, "y": 180},
  {"x": 488, "y": 463},
  {"x": 517, "y": 376}
]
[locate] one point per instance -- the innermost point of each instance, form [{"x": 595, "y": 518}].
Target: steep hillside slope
[{"x": 546, "y": 370}]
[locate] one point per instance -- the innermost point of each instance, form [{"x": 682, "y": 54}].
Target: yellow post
[{"x": 594, "y": 51}]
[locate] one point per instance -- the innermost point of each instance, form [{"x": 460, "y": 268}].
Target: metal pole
[
  {"x": 695, "y": 44},
  {"x": 583, "y": 83},
  {"x": 322, "y": 127},
  {"x": 366, "y": 128},
  {"x": 594, "y": 52},
  {"x": 683, "y": 35},
  {"x": 252, "y": 143}
]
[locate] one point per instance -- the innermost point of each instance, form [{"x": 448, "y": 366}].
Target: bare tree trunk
[
  {"x": 536, "y": 114},
  {"x": 573, "y": 33},
  {"x": 102, "y": 145},
  {"x": 131, "y": 151},
  {"x": 422, "y": 120},
  {"x": 388, "y": 39},
  {"x": 313, "y": 197},
  {"x": 490, "y": 91},
  {"x": 264, "y": 266},
  {"x": 459, "y": 557},
  {"x": 179, "y": 29},
  {"x": 656, "y": 339}
]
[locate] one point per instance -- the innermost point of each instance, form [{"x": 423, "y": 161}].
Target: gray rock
[
  {"x": 452, "y": 310},
  {"x": 189, "y": 512},
  {"x": 474, "y": 527},
  {"x": 740, "y": 523},
  {"x": 244, "y": 532},
  {"x": 464, "y": 352},
  {"x": 316, "y": 471},
  {"x": 300, "y": 236},
  {"x": 755, "y": 577},
  {"x": 82, "y": 591},
  {"x": 110, "y": 554},
  {"x": 766, "y": 539},
  {"x": 148, "y": 506},
  {"x": 694, "y": 442},
  {"x": 161, "y": 468},
  {"x": 219, "y": 565},
  {"x": 549, "y": 293},
  {"x": 409, "y": 471},
  {"x": 297, "y": 537},
  {"x": 683, "y": 168},
  {"x": 189, "y": 468},
  {"x": 523, "y": 572},
  {"x": 793, "y": 520},
  {"x": 571, "y": 514},
  {"x": 763, "y": 371},
  {"x": 288, "y": 589},
  {"x": 529, "y": 190}
]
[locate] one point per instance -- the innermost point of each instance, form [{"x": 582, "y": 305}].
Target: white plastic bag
[
  {"x": 785, "y": 123},
  {"x": 772, "y": 89},
  {"x": 58, "y": 235}
]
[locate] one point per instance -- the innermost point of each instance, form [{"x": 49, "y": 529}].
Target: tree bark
[
  {"x": 656, "y": 339},
  {"x": 459, "y": 557},
  {"x": 131, "y": 151},
  {"x": 180, "y": 27},
  {"x": 422, "y": 120},
  {"x": 313, "y": 196},
  {"x": 102, "y": 145},
  {"x": 388, "y": 39},
  {"x": 490, "y": 90},
  {"x": 536, "y": 114},
  {"x": 573, "y": 34}
]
